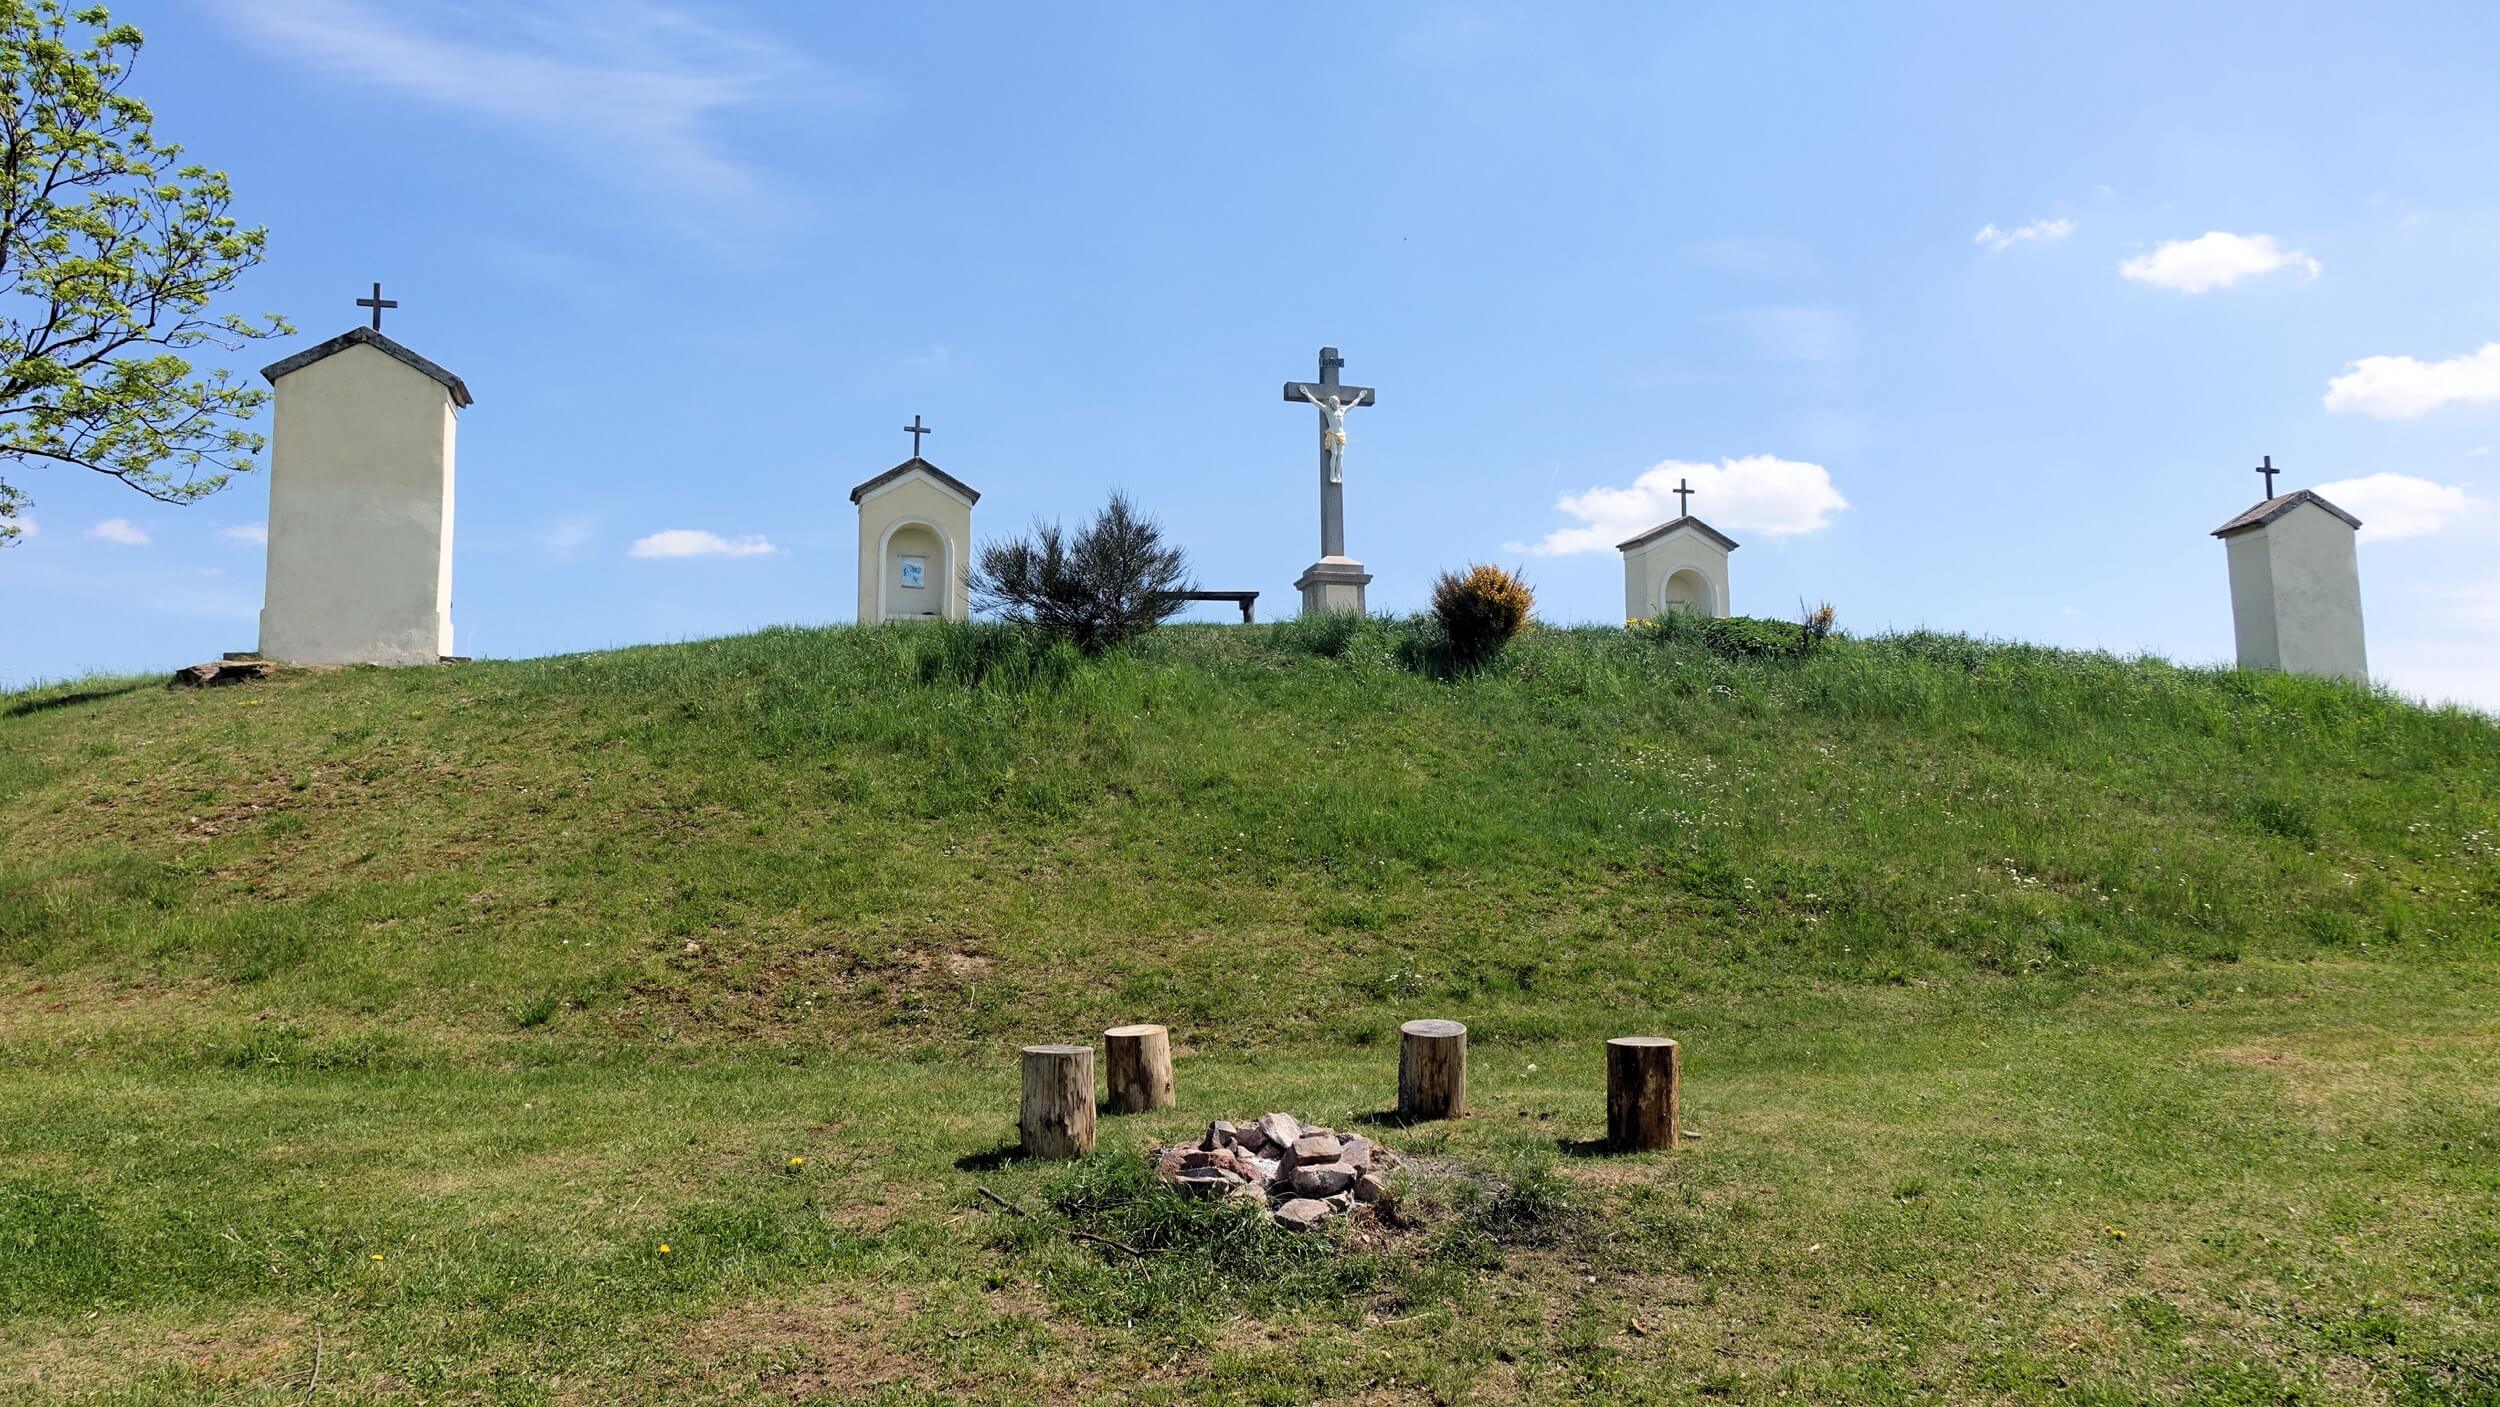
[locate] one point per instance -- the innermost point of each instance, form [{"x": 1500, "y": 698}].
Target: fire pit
[{"x": 1302, "y": 1176}]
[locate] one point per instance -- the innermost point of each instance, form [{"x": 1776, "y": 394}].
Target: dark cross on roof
[
  {"x": 2268, "y": 469},
  {"x": 915, "y": 429},
  {"x": 377, "y": 302},
  {"x": 1683, "y": 498}
]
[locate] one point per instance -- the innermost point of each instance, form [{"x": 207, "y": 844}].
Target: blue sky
[{"x": 1966, "y": 317}]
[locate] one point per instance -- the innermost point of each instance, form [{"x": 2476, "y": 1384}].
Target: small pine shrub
[
  {"x": 1101, "y": 589},
  {"x": 1480, "y": 611}
]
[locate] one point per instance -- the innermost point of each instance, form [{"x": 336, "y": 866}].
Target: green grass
[{"x": 2060, "y": 1028}]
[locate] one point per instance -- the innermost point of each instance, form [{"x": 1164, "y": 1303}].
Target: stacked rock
[{"x": 1302, "y": 1175}]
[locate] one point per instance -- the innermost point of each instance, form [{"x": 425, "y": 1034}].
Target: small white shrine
[
  {"x": 915, "y": 541},
  {"x": 360, "y": 503},
  {"x": 2296, "y": 585},
  {"x": 1679, "y": 565}
]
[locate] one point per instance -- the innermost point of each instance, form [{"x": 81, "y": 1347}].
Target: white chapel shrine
[
  {"x": 360, "y": 504},
  {"x": 1679, "y": 565},
  {"x": 2296, "y": 585},
  {"x": 915, "y": 541}
]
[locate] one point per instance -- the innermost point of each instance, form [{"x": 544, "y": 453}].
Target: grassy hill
[{"x": 2058, "y": 1026}]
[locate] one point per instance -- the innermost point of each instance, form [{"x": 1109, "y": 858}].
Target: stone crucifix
[{"x": 1333, "y": 399}]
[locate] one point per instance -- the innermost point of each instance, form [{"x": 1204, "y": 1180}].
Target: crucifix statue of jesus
[
  {"x": 1331, "y": 431},
  {"x": 1334, "y": 399}
]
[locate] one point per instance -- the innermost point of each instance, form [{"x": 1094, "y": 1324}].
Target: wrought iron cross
[
  {"x": 377, "y": 302},
  {"x": 2267, "y": 468},
  {"x": 1683, "y": 498},
  {"x": 915, "y": 429}
]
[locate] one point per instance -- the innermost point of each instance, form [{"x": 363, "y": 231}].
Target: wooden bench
[{"x": 1242, "y": 599}]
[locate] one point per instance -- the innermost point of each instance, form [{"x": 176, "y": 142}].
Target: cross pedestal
[{"x": 1332, "y": 584}]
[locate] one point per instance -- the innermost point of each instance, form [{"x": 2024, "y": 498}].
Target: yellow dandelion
[
  {"x": 377, "y": 1255},
  {"x": 798, "y": 1161},
  {"x": 663, "y": 1250},
  {"x": 2115, "y": 1233}
]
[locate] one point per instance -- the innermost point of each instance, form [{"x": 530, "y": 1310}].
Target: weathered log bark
[
  {"x": 1137, "y": 1068},
  {"x": 1432, "y": 1070},
  {"x": 1056, "y": 1119},
  {"x": 1643, "y": 1093}
]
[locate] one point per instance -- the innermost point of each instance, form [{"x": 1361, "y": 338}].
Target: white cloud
[
  {"x": 1999, "y": 240},
  {"x": 563, "y": 539},
  {"x": 2214, "y": 260},
  {"x": 694, "y": 542},
  {"x": 2401, "y": 388},
  {"x": 630, "y": 90},
  {"x": 26, "y": 528},
  {"x": 1757, "y": 494},
  {"x": 245, "y": 532},
  {"x": 2392, "y": 506},
  {"x": 2478, "y": 451},
  {"x": 121, "y": 530}
]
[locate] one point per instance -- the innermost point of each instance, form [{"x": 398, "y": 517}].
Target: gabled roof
[
  {"x": 367, "y": 337},
  {"x": 2276, "y": 507},
  {"x": 916, "y": 464},
  {"x": 1687, "y": 521}
]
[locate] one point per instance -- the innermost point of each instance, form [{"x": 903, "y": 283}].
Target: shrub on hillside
[
  {"x": 1102, "y": 589},
  {"x": 1744, "y": 637},
  {"x": 1481, "y": 610}
]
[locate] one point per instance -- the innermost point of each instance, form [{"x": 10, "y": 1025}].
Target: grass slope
[{"x": 2060, "y": 1027}]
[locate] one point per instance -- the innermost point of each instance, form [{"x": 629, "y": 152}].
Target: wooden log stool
[
  {"x": 1137, "y": 1063},
  {"x": 1056, "y": 1119},
  {"x": 1432, "y": 1070},
  {"x": 1643, "y": 1093}
]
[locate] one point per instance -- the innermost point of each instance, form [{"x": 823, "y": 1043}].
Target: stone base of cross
[{"x": 1332, "y": 584}]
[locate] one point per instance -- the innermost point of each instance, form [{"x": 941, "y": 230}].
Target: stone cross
[
  {"x": 1683, "y": 498},
  {"x": 915, "y": 429},
  {"x": 2267, "y": 468},
  {"x": 1334, "y": 399},
  {"x": 377, "y": 302}
]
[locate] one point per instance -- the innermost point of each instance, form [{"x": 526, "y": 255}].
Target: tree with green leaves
[{"x": 111, "y": 251}]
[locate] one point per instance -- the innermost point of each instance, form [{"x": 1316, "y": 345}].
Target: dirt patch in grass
[
  {"x": 101, "y": 1354},
  {"x": 817, "y": 1343}
]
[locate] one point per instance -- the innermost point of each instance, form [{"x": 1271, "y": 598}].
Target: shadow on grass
[
  {"x": 1587, "y": 1148},
  {"x": 1385, "y": 1119},
  {"x": 26, "y": 706},
  {"x": 1005, "y": 1155}
]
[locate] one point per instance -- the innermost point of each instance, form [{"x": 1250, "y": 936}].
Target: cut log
[
  {"x": 1056, "y": 1119},
  {"x": 1137, "y": 1068},
  {"x": 1432, "y": 1070},
  {"x": 1643, "y": 1090}
]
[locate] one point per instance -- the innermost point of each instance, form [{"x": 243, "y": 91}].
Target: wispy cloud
[
  {"x": 1793, "y": 334},
  {"x": 629, "y": 90},
  {"x": 2214, "y": 259},
  {"x": 121, "y": 530},
  {"x": 245, "y": 532},
  {"x": 694, "y": 542},
  {"x": 1764, "y": 256},
  {"x": 564, "y": 537},
  {"x": 936, "y": 356},
  {"x": 1997, "y": 239},
  {"x": 2403, "y": 388},
  {"x": 1760, "y": 493},
  {"x": 2392, "y": 506}
]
